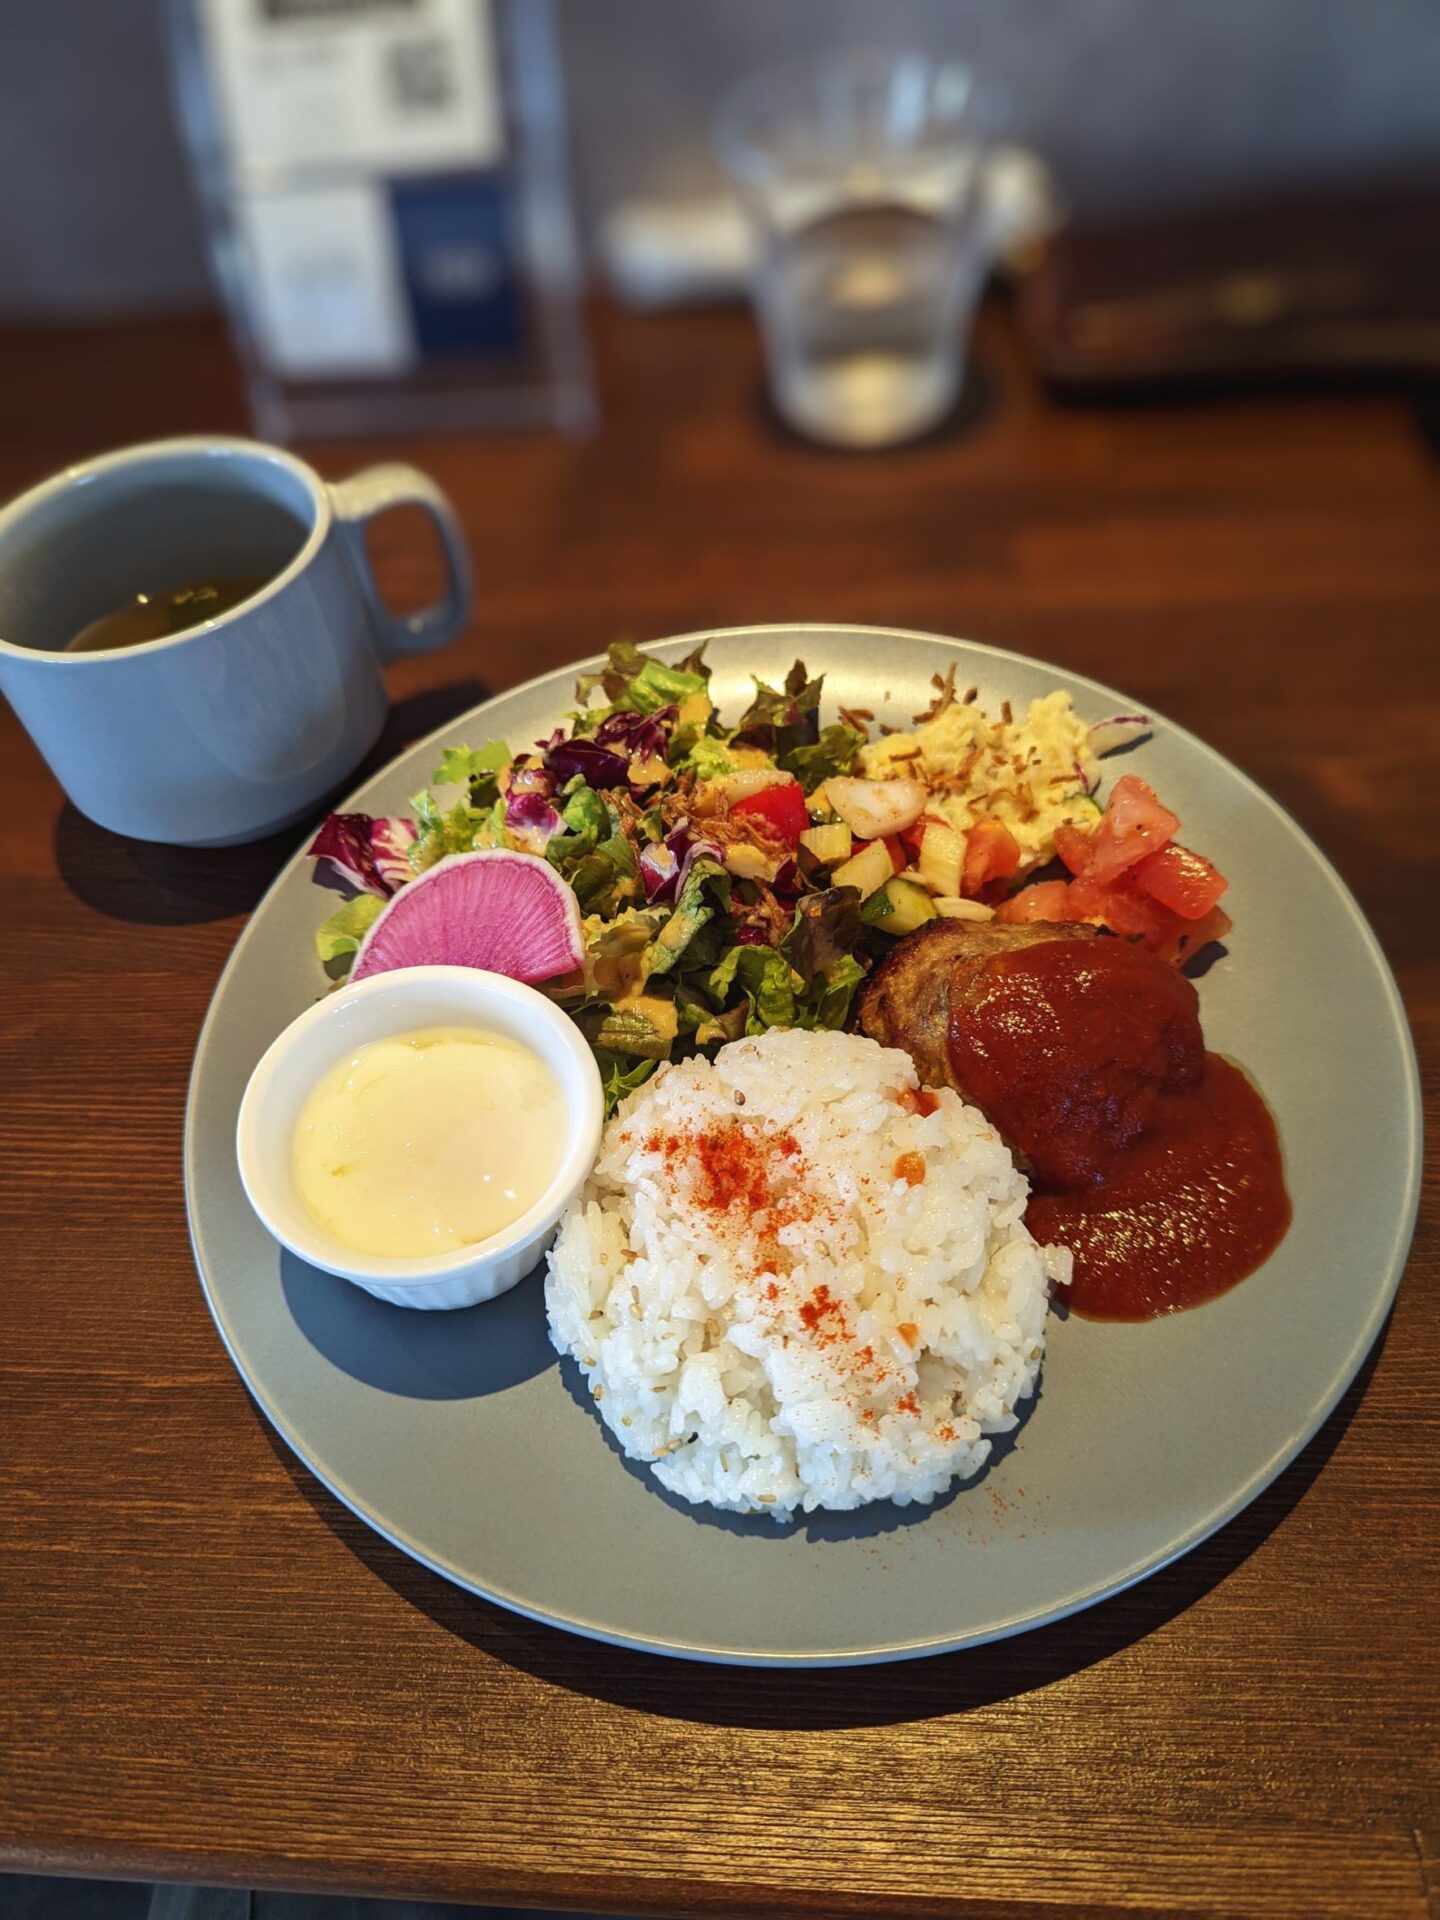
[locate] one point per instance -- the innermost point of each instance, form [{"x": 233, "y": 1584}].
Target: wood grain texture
[{"x": 208, "y": 1669}]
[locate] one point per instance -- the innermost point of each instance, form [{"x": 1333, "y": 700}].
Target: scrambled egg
[{"x": 1032, "y": 775}]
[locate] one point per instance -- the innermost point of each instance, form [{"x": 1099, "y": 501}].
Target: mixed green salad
[
  {"x": 705, "y": 915},
  {"x": 714, "y": 881}
]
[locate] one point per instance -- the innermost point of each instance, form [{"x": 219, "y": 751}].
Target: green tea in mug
[{"x": 156, "y": 616}]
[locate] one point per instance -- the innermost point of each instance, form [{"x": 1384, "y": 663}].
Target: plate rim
[{"x": 1025, "y": 1622}]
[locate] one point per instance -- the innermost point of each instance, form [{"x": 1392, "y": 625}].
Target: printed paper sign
[
  {"x": 326, "y": 290},
  {"x": 379, "y": 86}
]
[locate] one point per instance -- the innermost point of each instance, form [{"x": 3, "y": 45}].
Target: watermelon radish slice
[{"x": 509, "y": 913}]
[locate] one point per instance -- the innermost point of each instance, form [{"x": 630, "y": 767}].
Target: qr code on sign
[{"x": 419, "y": 74}]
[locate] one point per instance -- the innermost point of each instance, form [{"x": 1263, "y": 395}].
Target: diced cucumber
[
  {"x": 828, "y": 846},
  {"x": 868, "y": 870},
  {"x": 899, "y": 907}
]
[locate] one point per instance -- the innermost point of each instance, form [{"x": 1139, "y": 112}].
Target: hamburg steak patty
[
  {"x": 1064, "y": 1037},
  {"x": 907, "y": 1001}
]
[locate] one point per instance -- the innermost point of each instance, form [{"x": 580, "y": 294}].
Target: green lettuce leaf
[
  {"x": 623, "y": 660},
  {"x": 696, "y": 1011},
  {"x": 592, "y": 880},
  {"x": 833, "y": 752},
  {"x": 617, "y": 848},
  {"x": 720, "y": 1027},
  {"x": 721, "y": 977},
  {"x": 651, "y": 824},
  {"x": 827, "y": 925},
  {"x": 694, "y": 662},
  {"x": 707, "y": 891},
  {"x": 782, "y": 719},
  {"x": 338, "y": 938},
  {"x": 620, "y": 1075},
  {"x": 657, "y": 685},
  {"x": 475, "y": 767},
  {"x": 615, "y": 955},
  {"x": 587, "y": 823},
  {"x": 827, "y": 1002},
  {"x": 767, "y": 981},
  {"x": 456, "y": 831},
  {"x": 708, "y": 943},
  {"x": 633, "y": 679},
  {"x": 603, "y": 882},
  {"x": 594, "y": 854},
  {"x": 709, "y": 759},
  {"x": 685, "y": 736},
  {"x": 693, "y": 1006},
  {"x": 645, "y": 1029}
]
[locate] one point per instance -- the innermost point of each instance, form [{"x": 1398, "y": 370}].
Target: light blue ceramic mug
[{"x": 238, "y": 726}]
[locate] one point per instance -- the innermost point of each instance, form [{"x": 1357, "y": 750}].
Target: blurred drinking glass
[{"x": 864, "y": 177}]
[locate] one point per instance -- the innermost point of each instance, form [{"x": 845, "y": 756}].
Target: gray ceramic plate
[{"x": 462, "y": 1439}]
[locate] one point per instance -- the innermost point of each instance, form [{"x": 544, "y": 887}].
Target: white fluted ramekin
[{"x": 374, "y": 1009}]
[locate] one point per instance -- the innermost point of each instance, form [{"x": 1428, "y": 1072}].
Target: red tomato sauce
[{"x": 1156, "y": 1163}]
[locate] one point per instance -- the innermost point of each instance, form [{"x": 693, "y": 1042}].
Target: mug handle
[{"x": 376, "y": 490}]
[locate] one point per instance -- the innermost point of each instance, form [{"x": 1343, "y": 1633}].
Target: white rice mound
[{"x": 789, "y": 1288}]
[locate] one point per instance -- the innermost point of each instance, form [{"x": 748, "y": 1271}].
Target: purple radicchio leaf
[
  {"x": 391, "y": 842},
  {"x": 605, "y": 759},
  {"x": 532, "y": 816},
  {"x": 665, "y": 865},
  {"x": 697, "y": 850},
  {"x": 528, "y": 775},
  {"x": 751, "y": 937},
  {"x": 373, "y": 853},
  {"x": 659, "y": 870},
  {"x": 597, "y": 766},
  {"x": 787, "y": 884},
  {"x": 639, "y": 736}
]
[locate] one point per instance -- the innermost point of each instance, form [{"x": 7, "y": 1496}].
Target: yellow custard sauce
[{"x": 426, "y": 1142}]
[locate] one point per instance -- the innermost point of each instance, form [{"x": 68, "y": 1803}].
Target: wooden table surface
[{"x": 211, "y": 1671}]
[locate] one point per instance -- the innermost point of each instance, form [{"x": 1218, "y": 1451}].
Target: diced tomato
[
  {"x": 1132, "y": 914},
  {"x": 1187, "y": 937},
  {"x": 991, "y": 853},
  {"x": 1047, "y": 900},
  {"x": 1133, "y": 825},
  {"x": 1181, "y": 880},
  {"x": 1123, "y": 908},
  {"x": 1075, "y": 847},
  {"x": 782, "y": 808}
]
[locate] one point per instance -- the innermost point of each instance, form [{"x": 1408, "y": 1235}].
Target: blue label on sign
[{"x": 457, "y": 253}]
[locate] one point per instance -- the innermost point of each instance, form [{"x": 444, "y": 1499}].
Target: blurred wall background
[{"x": 1137, "y": 103}]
